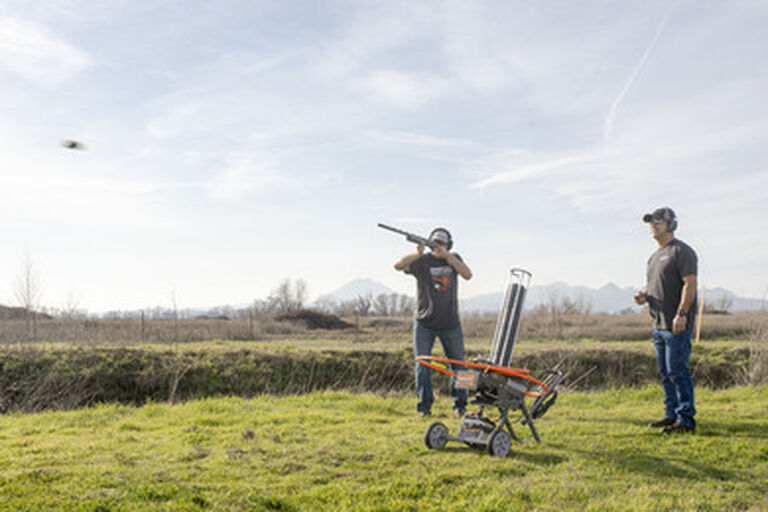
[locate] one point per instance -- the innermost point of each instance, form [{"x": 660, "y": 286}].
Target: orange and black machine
[{"x": 497, "y": 385}]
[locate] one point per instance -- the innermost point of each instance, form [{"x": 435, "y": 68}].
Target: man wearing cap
[
  {"x": 670, "y": 293},
  {"x": 437, "y": 312}
]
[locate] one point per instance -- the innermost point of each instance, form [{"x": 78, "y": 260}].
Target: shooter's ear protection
[
  {"x": 664, "y": 214},
  {"x": 442, "y": 235},
  {"x": 672, "y": 225}
]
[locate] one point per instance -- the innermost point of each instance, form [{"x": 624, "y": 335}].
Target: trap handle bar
[
  {"x": 552, "y": 378},
  {"x": 438, "y": 363}
]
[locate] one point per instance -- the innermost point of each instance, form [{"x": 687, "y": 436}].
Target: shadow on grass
[
  {"x": 717, "y": 429},
  {"x": 673, "y": 468},
  {"x": 705, "y": 428},
  {"x": 539, "y": 459},
  {"x": 662, "y": 467}
]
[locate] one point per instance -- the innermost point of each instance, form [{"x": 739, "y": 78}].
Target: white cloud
[
  {"x": 561, "y": 59},
  {"x": 247, "y": 171},
  {"x": 37, "y": 55},
  {"x": 181, "y": 119},
  {"x": 91, "y": 185},
  {"x": 417, "y": 139},
  {"x": 414, "y": 221},
  {"x": 403, "y": 90},
  {"x": 55, "y": 207},
  {"x": 371, "y": 33}
]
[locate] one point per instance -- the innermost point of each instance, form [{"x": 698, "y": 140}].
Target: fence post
[{"x": 701, "y": 314}]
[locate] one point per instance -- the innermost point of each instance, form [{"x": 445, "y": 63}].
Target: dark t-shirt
[
  {"x": 665, "y": 271},
  {"x": 437, "y": 292}
]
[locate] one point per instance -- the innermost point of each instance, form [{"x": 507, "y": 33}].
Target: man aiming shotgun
[{"x": 437, "y": 311}]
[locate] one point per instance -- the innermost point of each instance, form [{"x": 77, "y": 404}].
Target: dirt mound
[
  {"x": 12, "y": 313},
  {"x": 314, "y": 319}
]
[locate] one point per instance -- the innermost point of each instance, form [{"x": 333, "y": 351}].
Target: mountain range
[{"x": 609, "y": 298}]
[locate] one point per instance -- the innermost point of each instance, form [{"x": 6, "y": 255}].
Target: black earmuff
[
  {"x": 447, "y": 233},
  {"x": 672, "y": 225}
]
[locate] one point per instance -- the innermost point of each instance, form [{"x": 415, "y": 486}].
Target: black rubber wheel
[
  {"x": 436, "y": 436},
  {"x": 500, "y": 443}
]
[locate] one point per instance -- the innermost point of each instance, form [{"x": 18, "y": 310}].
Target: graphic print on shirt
[{"x": 441, "y": 278}]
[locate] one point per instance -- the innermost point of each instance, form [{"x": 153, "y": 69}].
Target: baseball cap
[
  {"x": 440, "y": 236},
  {"x": 663, "y": 214}
]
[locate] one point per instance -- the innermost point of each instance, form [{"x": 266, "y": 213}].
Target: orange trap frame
[{"x": 496, "y": 384}]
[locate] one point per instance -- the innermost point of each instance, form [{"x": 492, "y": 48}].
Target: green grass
[{"x": 339, "y": 450}]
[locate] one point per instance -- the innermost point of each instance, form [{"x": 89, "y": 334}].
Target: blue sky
[{"x": 234, "y": 144}]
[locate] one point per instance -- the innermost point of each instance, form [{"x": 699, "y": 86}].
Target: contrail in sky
[
  {"x": 635, "y": 72},
  {"x": 524, "y": 172}
]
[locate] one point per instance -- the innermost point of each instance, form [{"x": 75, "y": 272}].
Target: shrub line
[{"x": 37, "y": 378}]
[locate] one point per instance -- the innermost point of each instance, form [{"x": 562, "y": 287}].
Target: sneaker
[
  {"x": 425, "y": 414},
  {"x": 666, "y": 422},
  {"x": 677, "y": 428},
  {"x": 459, "y": 413}
]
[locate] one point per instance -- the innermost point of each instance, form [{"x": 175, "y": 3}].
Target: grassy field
[
  {"x": 339, "y": 450},
  {"x": 343, "y": 448}
]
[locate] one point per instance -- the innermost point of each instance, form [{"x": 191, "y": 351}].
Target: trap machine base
[
  {"x": 503, "y": 388},
  {"x": 497, "y": 385}
]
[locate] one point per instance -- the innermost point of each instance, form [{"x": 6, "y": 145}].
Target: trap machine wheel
[
  {"x": 500, "y": 443},
  {"x": 436, "y": 436}
]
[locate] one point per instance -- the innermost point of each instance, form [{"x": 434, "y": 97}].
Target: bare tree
[
  {"x": 393, "y": 309},
  {"x": 300, "y": 292},
  {"x": 175, "y": 316},
  {"x": 326, "y": 305},
  {"x": 406, "y": 305},
  {"x": 721, "y": 305},
  {"x": 71, "y": 309},
  {"x": 381, "y": 305},
  {"x": 578, "y": 306},
  {"x": 557, "y": 306},
  {"x": 362, "y": 304},
  {"x": 346, "y": 308},
  {"x": 28, "y": 292},
  {"x": 260, "y": 308},
  {"x": 287, "y": 297},
  {"x": 280, "y": 298}
]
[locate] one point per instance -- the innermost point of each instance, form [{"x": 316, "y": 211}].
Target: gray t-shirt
[
  {"x": 664, "y": 273},
  {"x": 437, "y": 292}
]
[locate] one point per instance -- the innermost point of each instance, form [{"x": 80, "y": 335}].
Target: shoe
[
  {"x": 666, "y": 422},
  {"x": 677, "y": 428},
  {"x": 425, "y": 414},
  {"x": 459, "y": 413}
]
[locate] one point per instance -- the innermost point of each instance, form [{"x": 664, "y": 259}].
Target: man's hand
[
  {"x": 404, "y": 263},
  {"x": 678, "y": 324},
  {"x": 641, "y": 297},
  {"x": 459, "y": 266},
  {"x": 440, "y": 251}
]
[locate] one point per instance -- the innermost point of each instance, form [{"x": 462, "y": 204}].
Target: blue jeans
[
  {"x": 672, "y": 354},
  {"x": 453, "y": 347}
]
